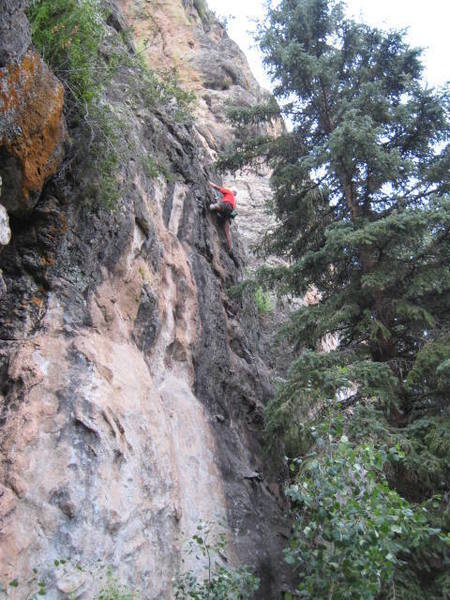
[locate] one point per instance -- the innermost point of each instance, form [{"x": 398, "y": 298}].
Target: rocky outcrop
[
  {"x": 31, "y": 120},
  {"x": 184, "y": 35},
  {"x": 5, "y": 236},
  {"x": 132, "y": 386},
  {"x": 5, "y": 231}
]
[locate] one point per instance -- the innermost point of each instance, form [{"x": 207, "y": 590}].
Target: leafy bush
[
  {"x": 353, "y": 533},
  {"x": 425, "y": 444},
  {"x": 221, "y": 582}
]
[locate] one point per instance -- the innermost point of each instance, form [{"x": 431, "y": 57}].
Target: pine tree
[{"x": 361, "y": 192}]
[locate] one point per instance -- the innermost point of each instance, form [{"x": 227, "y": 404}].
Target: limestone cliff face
[
  {"x": 131, "y": 385},
  {"x": 173, "y": 34},
  {"x": 178, "y": 34}
]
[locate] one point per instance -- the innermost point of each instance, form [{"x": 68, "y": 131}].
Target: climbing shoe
[{"x": 234, "y": 258}]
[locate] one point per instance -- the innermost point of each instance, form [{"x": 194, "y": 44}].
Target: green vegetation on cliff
[
  {"x": 75, "y": 37},
  {"x": 361, "y": 193},
  {"x": 89, "y": 50},
  {"x": 69, "y": 33}
]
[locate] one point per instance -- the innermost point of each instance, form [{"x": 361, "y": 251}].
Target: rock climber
[{"x": 226, "y": 209}]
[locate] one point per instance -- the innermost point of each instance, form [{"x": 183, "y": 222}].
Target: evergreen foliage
[{"x": 361, "y": 192}]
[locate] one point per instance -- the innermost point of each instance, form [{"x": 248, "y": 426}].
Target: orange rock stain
[{"x": 31, "y": 105}]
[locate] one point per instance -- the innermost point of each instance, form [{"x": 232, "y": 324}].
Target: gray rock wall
[
  {"x": 15, "y": 36},
  {"x": 131, "y": 384}
]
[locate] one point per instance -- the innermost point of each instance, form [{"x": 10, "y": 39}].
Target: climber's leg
[
  {"x": 226, "y": 228},
  {"x": 223, "y": 216}
]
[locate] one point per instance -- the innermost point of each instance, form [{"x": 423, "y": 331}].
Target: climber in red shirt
[{"x": 225, "y": 209}]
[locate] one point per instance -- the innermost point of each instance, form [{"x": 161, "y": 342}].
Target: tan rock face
[
  {"x": 123, "y": 477},
  {"x": 110, "y": 456},
  {"x": 174, "y": 35},
  {"x": 32, "y": 130}
]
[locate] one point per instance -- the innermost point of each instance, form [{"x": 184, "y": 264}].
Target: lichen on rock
[{"x": 31, "y": 130}]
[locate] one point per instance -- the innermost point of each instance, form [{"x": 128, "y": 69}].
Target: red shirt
[{"x": 228, "y": 197}]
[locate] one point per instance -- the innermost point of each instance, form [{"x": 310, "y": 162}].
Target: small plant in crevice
[
  {"x": 114, "y": 590},
  {"x": 163, "y": 89},
  {"x": 158, "y": 89},
  {"x": 237, "y": 292},
  {"x": 34, "y": 582},
  {"x": 263, "y": 301},
  {"x": 220, "y": 582},
  {"x": 153, "y": 168},
  {"x": 150, "y": 167},
  {"x": 107, "y": 151},
  {"x": 202, "y": 10}
]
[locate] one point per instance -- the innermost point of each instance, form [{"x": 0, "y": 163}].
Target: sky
[{"x": 427, "y": 23}]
